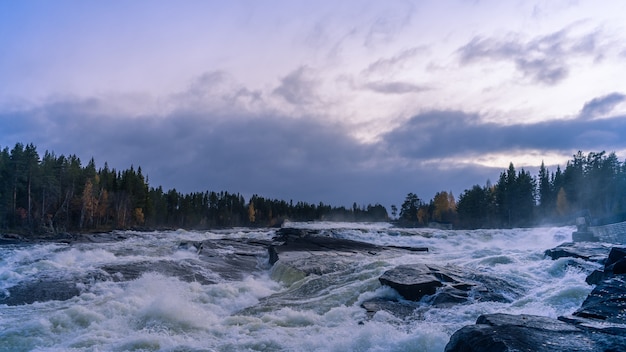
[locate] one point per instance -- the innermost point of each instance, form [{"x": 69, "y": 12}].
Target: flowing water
[{"x": 177, "y": 302}]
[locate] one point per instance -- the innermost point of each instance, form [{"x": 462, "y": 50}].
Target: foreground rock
[
  {"x": 504, "y": 332},
  {"x": 447, "y": 285},
  {"x": 598, "y": 325}
]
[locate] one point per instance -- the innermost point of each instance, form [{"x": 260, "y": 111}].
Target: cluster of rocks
[
  {"x": 217, "y": 260},
  {"x": 421, "y": 285},
  {"x": 598, "y": 325}
]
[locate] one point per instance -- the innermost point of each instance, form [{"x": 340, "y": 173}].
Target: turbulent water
[{"x": 178, "y": 303}]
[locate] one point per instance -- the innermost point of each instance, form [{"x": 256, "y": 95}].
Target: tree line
[
  {"x": 53, "y": 194},
  {"x": 591, "y": 186}
]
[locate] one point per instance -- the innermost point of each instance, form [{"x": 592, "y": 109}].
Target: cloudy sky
[{"x": 333, "y": 101}]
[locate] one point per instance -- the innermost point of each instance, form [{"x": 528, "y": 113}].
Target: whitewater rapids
[{"x": 262, "y": 309}]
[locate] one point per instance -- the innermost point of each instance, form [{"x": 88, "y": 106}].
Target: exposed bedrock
[
  {"x": 216, "y": 261},
  {"x": 447, "y": 285},
  {"x": 589, "y": 251},
  {"x": 505, "y": 332},
  {"x": 598, "y": 325},
  {"x": 309, "y": 252}
]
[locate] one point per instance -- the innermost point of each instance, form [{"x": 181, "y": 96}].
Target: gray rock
[
  {"x": 447, "y": 285},
  {"x": 504, "y": 332}
]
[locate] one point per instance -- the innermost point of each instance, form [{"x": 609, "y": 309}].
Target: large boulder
[
  {"x": 505, "y": 332},
  {"x": 447, "y": 285},
  {"x": 615, "y": 264}
]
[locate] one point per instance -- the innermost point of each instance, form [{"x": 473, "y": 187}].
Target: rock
[
  {"x": 615, "y": 264},
  {"x": 48, "y": 288},
  {"x": 447, "y": 285},
  {"x": 616, "y": 255},
  {"x": 412, "y": 281},
  {"x": 607, "y": 301},
  {"x": 595, "y": 252},
  {"x": 309, "y": 252},
  {"x": 505, "y": 332},
  {"x": 598, "y": 325},
  {"x": 400, "y": 310},
  {"x": 183, "y": 271}
]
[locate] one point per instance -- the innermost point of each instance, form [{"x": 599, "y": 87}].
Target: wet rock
[
  {"x": 310, "y": 252},
  {"x": 402, "y": 310},
  {"x": 131, "y": 271},
  {"x": 39, "y": 291},
  {"x": 594, "y": 252},
  {"x": 504, "y": 332},
  {"x": 615, "y": 264},
  {"x": 447, "y": 285},
  {"x": 48, "y": 288},
  {"x": 607, "y": 301}
]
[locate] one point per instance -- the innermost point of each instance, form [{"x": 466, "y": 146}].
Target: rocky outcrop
[
  {"x": 216, "y": 261},
  {"x": 505, "y": 332},
  {"x": 310, "y": 252},
  {"x": 447, "y": 285},
  {"x": 598, "y": 325},
  {"x": 589, "y": 251}
]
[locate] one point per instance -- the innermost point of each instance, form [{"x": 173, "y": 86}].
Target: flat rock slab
[
  {"x": 310, "y": 252},
  {"x": 505, "y": 332},
  {"x": 447, "y": 285},
  {"x": 590, "y": 251}
]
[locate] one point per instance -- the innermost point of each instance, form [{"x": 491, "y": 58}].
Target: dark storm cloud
[
  {"x": 300, "y": 159},
  {"x": 544, "y": 59},
  {"x": 601, "y": 105},
  {"x": 445, "y": 134},
  {"x": 274, "y": 156}
]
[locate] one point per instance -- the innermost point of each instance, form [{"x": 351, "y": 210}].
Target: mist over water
[{"x": 271, "y": 308}]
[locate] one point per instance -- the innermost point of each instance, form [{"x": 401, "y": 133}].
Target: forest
[{"x": 50, "y": 194}]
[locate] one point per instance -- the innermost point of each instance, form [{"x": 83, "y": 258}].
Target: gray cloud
[
  {"x": 601, "y": 105},
  {"x": 544, "y": 59},
  {"x": 384, "y": 65},
  {"x": 445, "y": 134},
  {"x": 395, "y": 87},
  {"x": 300, "y": 159},
  {"x": 298, "y": 87}
]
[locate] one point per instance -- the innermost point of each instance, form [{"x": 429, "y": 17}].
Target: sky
[{"x": 332, "y": 101}]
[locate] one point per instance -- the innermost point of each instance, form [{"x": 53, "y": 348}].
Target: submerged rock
[{"x": 447, "y": 285}]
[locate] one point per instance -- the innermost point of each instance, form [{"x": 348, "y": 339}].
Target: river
[{"x": 158, "y": 291}]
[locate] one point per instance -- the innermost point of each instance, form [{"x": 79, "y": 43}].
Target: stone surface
[
  {"x": 590, "y": 251},
  {"x": 310, "y": 252},
  {"x": 446, "y": 285},
  {"x": 504, "y": 332}
]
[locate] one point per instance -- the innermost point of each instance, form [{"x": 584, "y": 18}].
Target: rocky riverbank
[{"x": 598, "y": 325}]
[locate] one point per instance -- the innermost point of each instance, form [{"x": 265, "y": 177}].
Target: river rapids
[{"x": 163, "y": 291}]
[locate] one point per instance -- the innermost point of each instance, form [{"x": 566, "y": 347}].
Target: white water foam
[{"x": 156, "y": 312}]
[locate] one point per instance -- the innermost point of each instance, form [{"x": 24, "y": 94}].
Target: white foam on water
[{"x": 156, "y": 312}]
